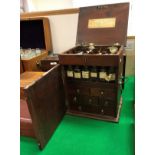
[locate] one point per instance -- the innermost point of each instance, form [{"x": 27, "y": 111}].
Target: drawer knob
[
  {"x": 102, "y": 111},
  {"x": 38, "y": 64},
  {"x": 80, "y": 108},
  {"x": 102, "y": 92},
  {"x": 120, "y": 82},
  {"x": 90, "y": 100},
  {"x": 78, "y": 90},
  {"x": 106, "y": 103},
  {"x": 74, "y": 99}
]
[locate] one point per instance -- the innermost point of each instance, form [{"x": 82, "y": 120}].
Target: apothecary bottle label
[
  {"x": 70, "y": 73},
  {"x": 77, "y": 75},
  {"x": 85, "y": 74},
  {"x": 112, "y": 77},
  {"x": 93, "y": 74},
  {"x": 102, "y": 75}
]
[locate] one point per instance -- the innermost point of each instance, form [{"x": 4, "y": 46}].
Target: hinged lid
[{"x": 104, "y": 24}]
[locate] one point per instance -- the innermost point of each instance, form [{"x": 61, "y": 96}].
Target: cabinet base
[{"x": 98, "y": 116}]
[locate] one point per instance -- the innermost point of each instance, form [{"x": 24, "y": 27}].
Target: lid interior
[
  {"x": 32, "y": 34},
  {"x": 103, "y": 25}
]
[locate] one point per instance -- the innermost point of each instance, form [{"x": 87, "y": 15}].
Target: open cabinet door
[{"x": 46, "y": 103}]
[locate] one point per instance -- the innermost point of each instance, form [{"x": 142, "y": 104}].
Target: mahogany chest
[{"x": 88, "y": 79}]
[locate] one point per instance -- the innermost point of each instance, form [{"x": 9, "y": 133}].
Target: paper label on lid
[
  {"x": 70, "y": 73},
  {"x": 101, "y": 23}
]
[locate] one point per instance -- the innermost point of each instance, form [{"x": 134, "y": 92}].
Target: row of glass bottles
[
  {"x": 106, "y": 74},
  {"x": 29, "y": 53}
]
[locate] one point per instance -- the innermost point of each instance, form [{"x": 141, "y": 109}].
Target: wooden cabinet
[
  {"x": 100, "y": 29},
  {"x": 68, "y": 88}
]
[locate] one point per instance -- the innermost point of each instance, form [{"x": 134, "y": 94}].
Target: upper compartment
[
  {"x": 103, "y": 25},
  {"x": 35, "y": 33}
]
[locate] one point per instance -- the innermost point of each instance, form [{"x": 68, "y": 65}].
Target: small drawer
[
  {"x": 92, "y": 109},
  {"x": 74, "y": 102},
  {"x": 79, "y": 90},
  {"x": 88, "y": 100},
  {"x": 108, "y": 111},
  {"x": 110, "y": 94},
  {"x": 106, "y": 103},
  {"x": 107, "y": 107},
  {"x": 73, "y": 99},
  {"x": 97, "y": 92},
  {"x": 107, "y": 93}
]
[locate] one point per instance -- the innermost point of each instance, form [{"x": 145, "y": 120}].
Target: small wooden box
[
  {"x": 49, "y": 62},
  {"x": 35, "y": 33}
]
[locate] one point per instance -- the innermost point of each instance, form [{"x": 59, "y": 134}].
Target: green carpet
[{"x": 83, "y": 136}]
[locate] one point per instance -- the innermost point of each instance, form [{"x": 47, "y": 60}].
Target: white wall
[
  {"x": 63, "y": 30},
  {"x": 44, "y": 5}
]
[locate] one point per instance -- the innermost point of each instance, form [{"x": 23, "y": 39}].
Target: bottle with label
[
  {"x": 69, "y": 72},
  {"x": 111, "y": 75},
  {"x": 77, "y": 72},
  {"x": 94, "y": 73},
  {"x": 103, "y": 74},
  {"x": 85, "y": 73}
]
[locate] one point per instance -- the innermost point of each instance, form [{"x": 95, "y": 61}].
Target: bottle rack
[{"x": 90, "y": 73}]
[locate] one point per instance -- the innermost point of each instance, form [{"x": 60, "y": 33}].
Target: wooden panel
[
  {"x": 21, "y": 67},
  {"x": 48, "y": 62},
  {"x": 47, "y": 34},
  {"x": 71, "y": 59},
  {"x": 106, "y": 60},
  {"x": 27, "y": 78},
  {"x": 46, "y": 103},
  {"x": 49, "y": 13}
]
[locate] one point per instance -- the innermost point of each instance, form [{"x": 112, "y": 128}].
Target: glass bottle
[
  {"x": 38, "y": 51},
  {"x": 85, "y": 73},
  {"x": 111, "y": 75},
  {"x": 102, "y": 74},
  {"x": 77, "y": 72},
  {"x": 70, "y": 72},
  {"x": 94, "y": 73}
]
